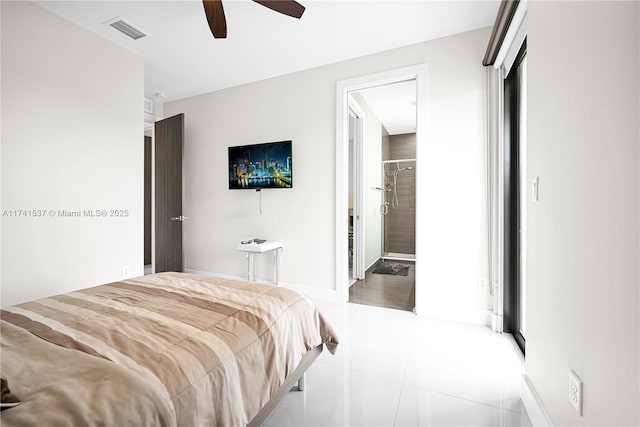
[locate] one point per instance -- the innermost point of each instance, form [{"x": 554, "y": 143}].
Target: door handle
[
  {"x": 179, "y": 218},
  {"x": 384, "y": 208}
]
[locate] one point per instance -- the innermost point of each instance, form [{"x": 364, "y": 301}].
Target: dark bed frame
[{"x": 298, "y": 375}]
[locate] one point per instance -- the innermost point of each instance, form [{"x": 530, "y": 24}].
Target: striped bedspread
[{"x": 166, "y": 349}]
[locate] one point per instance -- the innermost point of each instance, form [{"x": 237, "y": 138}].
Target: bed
[{"x": 169, "y": 349}]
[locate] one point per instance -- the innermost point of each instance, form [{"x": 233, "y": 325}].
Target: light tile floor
[{"x": 393, "y": 368}]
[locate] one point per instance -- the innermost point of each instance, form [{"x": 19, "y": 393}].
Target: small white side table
[{"x": 253, "y": 248}]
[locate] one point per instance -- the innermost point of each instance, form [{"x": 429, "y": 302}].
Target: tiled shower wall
[{"x": 400, "y": 223}]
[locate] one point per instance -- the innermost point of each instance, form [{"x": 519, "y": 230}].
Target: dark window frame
[{"x": 512, "y": 197}]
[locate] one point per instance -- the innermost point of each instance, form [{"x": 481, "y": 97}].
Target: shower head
[{"x": 408, "y": 168}]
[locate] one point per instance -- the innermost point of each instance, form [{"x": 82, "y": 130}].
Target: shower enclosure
[{"x": 399, "y": 210}]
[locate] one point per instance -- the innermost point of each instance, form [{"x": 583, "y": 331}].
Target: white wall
[
  {"x": 372, "y": 171},
  {"x": 584, "y": 233},
  {"x": 72, "y": 138},
  {"x": 301, "y": 106},
  {"x": 450, "y": 181}
]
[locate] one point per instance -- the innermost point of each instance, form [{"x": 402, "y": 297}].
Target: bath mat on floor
[{"x": 391, "y": 268}]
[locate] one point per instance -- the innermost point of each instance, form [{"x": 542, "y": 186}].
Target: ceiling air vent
[{"x": 126, "y": 28}]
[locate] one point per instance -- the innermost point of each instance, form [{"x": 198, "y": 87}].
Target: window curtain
[
  {"x": 509, "y": 33},
  {"x": 495, "y": 195}
]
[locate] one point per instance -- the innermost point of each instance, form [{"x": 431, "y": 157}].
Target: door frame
[
  {"x": 150, "y": 126},
  {"x": 357, "y": 164},
  {"x": 343, "y": 88}
]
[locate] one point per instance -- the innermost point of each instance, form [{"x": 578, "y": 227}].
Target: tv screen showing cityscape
[{"x": 261, "y": 166}]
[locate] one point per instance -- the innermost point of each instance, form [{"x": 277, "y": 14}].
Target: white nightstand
[{"x": 253, "y": 248}]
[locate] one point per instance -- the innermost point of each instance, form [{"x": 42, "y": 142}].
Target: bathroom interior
[{"x": 383, "y": 196}]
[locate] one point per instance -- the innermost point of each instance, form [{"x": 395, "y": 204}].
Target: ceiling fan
[{"x": 218, "y": 23}]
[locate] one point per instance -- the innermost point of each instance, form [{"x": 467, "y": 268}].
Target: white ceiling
[
  {"x": 394, "y": 105},
  {"x": 183, "y": 59}
]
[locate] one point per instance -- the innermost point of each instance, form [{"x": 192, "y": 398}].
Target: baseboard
[
  {"x": 366, "y": 270},
  {"x": 533, "y": 405},
  {"x": 310, "y": 291}
]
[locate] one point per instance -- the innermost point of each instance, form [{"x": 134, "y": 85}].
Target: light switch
[{"x": 534, "y": 189}]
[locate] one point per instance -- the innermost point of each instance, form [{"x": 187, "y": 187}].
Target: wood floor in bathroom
[{"x": 386, "y": 290}]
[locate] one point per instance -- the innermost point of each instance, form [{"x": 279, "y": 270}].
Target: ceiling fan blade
[
  {"x": 287, "y": 7},
  {"x": 215, "y": 17}
]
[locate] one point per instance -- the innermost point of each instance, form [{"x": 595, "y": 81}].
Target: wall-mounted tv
[{"x": 261, "y": 166}]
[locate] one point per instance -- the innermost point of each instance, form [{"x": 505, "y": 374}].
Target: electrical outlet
[
  {"x": 126, "y": 272},
  {"x": 575, "y": 391},
  {"x": 482, "y": 282}
]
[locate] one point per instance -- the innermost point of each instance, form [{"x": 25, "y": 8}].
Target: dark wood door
[
  {"x": 169, "y": 138},
  {"x": 147, "y": 200}
]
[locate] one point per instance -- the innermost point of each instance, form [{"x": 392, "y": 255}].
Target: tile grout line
[
  {"x": 404, "y": 374},
  {"x": 463, "y": 398},
  {"x": 357, "y": 371},
  {"x": 395, "y": 418}
]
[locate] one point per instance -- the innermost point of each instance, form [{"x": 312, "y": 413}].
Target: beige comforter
[{"x": 168, "y": 349}]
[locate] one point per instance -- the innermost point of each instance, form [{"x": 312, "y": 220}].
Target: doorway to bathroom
[
  {"x": 373, "y": 194},
  {"x": 382, "y": 195}
]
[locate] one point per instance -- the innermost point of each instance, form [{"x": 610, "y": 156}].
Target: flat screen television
[{"x": 253, "y": 167}]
